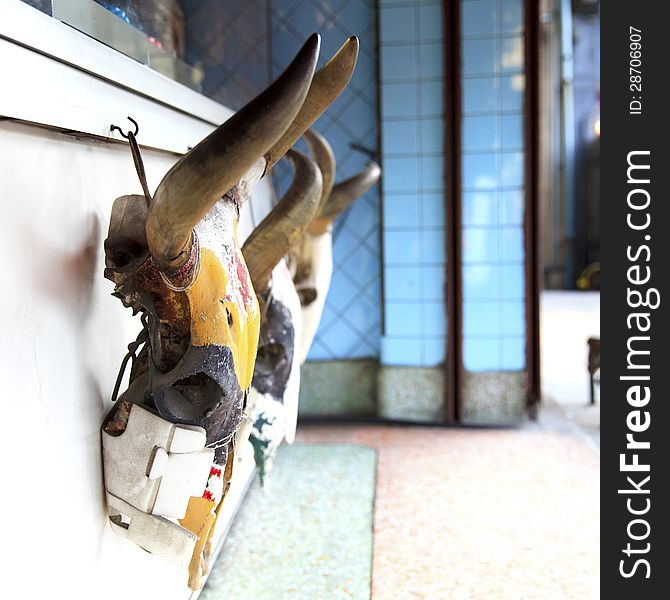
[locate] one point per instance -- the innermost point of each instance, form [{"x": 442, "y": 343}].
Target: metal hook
[{"x": 126, "y": 135}]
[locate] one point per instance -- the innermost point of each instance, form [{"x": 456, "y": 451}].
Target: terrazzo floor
[{"x": 480, "y": 513}]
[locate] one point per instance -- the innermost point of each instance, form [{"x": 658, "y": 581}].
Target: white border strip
[{"x": 59, "y": 77}]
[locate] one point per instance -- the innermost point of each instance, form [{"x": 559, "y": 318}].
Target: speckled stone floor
[{"x": 480, "y": 513}]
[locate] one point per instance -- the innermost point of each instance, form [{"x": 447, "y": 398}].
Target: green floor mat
[{"x": 308, "y": 536}]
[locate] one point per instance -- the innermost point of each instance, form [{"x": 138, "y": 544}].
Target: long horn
[
  {"x": 285, "y": 224},
  {"x": 199, "y": 179},
  {"x": 327, "y": 84},
  {"x": 323, "y": 155},
  {"x": 344, "y": 193}
]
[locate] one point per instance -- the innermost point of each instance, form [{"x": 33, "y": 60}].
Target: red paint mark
[
  {"x": 208, "y": 496},
  {"x": 214, "y": 472},
  {"x": 243, "y": 276}
]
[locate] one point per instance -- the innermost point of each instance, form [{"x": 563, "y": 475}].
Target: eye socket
[
  {"x": 272, "y": 353},
  {"x": 120, "y": 251},
  {"x": 307, "y": 296}
]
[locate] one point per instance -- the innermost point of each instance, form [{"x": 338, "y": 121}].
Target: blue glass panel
[
  {"x": 481, "y": 354},
  {"x": 511, "y": 169},
  {"x": 432, "y": 135},
  {"x": 431, "y": 169},
  {"x": 434, "y": 318},
  {"x": 401, "y": 351},
  {"x": 401, "y": 247},
  {"x": 480, "y": 245},
  {"x": 433, "y": 246},
  {"x": 511, "y": 244},
  {"x": 511, "y": 207},
  {"x": 492, "y": 178},
  {"x": 514, "y": 354},
  {"x": 478, "y": 17},
  {"x": 512, "y": 280},
  {"x": 514, "y": 318},
  {"x": 511, "y": 16},
  {"x": 432, "y": 97},
  {"x": 434, "y": 351},
  {"x": 399, "y": 100},
  {"x": 480, "y": 282},
  {"x": 480, "y": 208},
  {"x": 402, "y": 318},
  {"x": 398, "y": 24},
  {"x": 482, "y": 319},
  {"x": 512, "y": 132},
  {"x": 430, "y": 22},
  {"x": 479, "y": 56},
  {"x": 433, "y": 283},
  {"x": 511, "y": 55},
  {"x": 480, "y": 171},
  {"x": 511, "y": 92},
  {"x": 432, "y": 59},
  {"x": 480, "y": 94},
  {"x": 400, "y": 174},
  {"x": 432, "y": 210},
  {"x": 480, "y": 133},
  {"x": 399, "y": 137},
  {"x": 401, "y": 211},
  {"x": 398, "y": 62},
  {"x": 402, "y": 283}
]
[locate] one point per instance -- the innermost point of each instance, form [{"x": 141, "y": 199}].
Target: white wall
[
  {"x": 63, "y": 337},
  {"x": 568, "y": 319}
]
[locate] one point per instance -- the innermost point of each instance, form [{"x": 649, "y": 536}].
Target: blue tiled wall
[
  {"x": 492, "y": 182},
  {"x": 350, "y": 327},
  {"x": 412, "y": 113},
  {"x": 228, "y": 41}
]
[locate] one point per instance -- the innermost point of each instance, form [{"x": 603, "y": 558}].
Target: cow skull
[
  {"x": 273, "y": 397},
  {"x": 311, "y": 259},
  {"x": 170, "y": 440}
]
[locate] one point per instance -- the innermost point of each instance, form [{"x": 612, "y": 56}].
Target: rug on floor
[{"x": 308, "y": 535}]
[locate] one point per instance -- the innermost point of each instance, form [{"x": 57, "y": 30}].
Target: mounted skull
[
  {"x": 170, "y": 440},
  {"x": 311, "y": 260},
  {"x": 273, "y": 399},
  {"x": 273, "y": 403}
]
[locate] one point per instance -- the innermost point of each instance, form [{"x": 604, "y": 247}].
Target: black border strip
[{"x": 452, "y": 144}]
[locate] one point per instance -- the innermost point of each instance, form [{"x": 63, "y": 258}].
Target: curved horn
[
  {"x": 344, "y": 193},
  {"x": 323, "y": 155},
  {"x": 327, "y": 84},
  {"x": 285, "y": 224},
  {"x": 200, "y": 178}
]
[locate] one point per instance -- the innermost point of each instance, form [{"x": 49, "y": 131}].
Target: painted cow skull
[
  {"x": 273, "y": 398},
  {"x": 311, "y": 259},
  {"x": 170, "y": 440}
]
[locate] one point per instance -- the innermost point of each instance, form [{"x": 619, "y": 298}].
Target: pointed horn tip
[
  {"x": 313, "y": 42},
  {"x": 349, "y": 49},
  {"x": 310, "y": 50}
]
